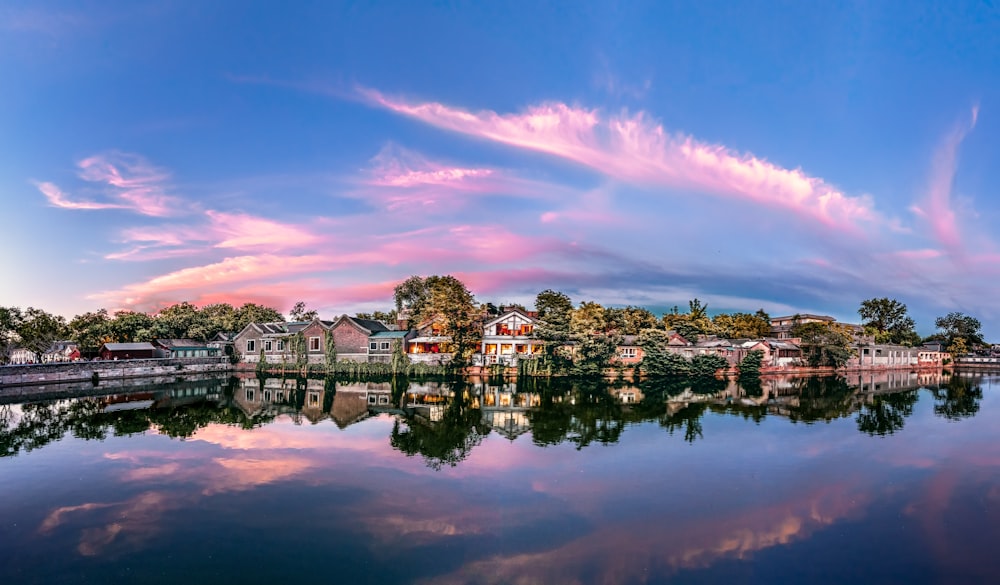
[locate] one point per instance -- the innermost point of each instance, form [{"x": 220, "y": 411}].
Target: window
[
  {"x": 628, "y": 352},
  {"x": 314, "y": 344},
  {"x": 372, "y": 346},
  {"x": 251, "y": 345},
  {"x": 281, "y": 345},
  {"x": 249, "y": 395},
  {"x": 384, "y": 345},
  {"x": 267, "y": 395},
  {"x": 314, "y": 399},
  {"x": 267, "y": 345}
]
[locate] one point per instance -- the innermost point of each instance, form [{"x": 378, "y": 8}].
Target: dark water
[{"x": 891, "y": 479}]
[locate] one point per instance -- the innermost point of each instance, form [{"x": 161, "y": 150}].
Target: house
[
  {"x": 381, "y": 344},
  {"x": 271, "y": 337},
  {"x": 777, "y": 352},
  {"x": 629, "y": 352},
  {"x": 127, "y": 351},
  {"x": 352, "y": 335},
  {"x": 22, "y": 355},
  {"x": 508, "y": 337},
  {"x": 886, "y": 355},
  {"x": 222, "y": 341},
  {"x": 781, "y": 327},
  {"x": 184, "y": 348},
  {"x": 430, "y": 346},
  {"x": 61, "y": 351}
]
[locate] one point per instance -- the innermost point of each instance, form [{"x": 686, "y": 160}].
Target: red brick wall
[
  {"x": 349, "y": 339},
  {"x": 315, "y": 329}
]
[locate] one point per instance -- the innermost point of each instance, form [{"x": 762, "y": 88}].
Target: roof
[
  {"x": 128, "y": 346},
  {"x": 510, "y": 312},
  {"x": 370, "y": 324},
  {"x": 801, "y": 316},
  {"x": 181, "y": 344},
  {"x": 389, "y": 334},
  {"x": 629, "y": 340}
]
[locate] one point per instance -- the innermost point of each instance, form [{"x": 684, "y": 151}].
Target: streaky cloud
[{"x": 636, "y": 149}]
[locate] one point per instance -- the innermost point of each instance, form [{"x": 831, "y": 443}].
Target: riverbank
[{"x": 100, "y": 371}]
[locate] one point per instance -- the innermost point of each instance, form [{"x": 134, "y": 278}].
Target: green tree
[
  {"x": 629, "y": 320},
  {"x": 751, "y": 363},
  {"x": 37, "y": 330},
  {"x": 886, "y": 413},
  {"x": 691, "y": 324},
  {"x": 449, "y": 303},
  {"x": 593, "y": 353},
  {"x": 657, "y": 360},
  {"x": 90, "y": 330},
  {"x": 824, "y": 344},
  {"x": 331, "y": 351},
  {"x": 887, "y": 321},
  {"x": 411, "y": 294},
  {"x": 553, "y": 329},
  {"x": 706, "y": 365},
  {"x": 955, "y": 325},
  {"x": 742, "y": 325},
  {"x": 10, "y": 322},
  {"x": 254, "y": 313},
  {"x": 131, "y": 326},
  {"x": 399, "y": 362},
  {"x": 587, "y": 319}
]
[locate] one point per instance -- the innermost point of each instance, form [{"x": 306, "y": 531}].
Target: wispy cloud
[
  {"x": 127, "y": 181},
  {"x": 939, "y": 209},
  {"x": 57, "y": 198},
  {"x": 634, "y": 148}
]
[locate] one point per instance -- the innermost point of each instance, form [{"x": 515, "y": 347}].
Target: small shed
[{"x": 127, "y": 351}]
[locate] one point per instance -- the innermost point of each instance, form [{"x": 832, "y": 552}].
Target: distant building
[
  {"x": 61, "y": 351},
  {"x": 23, "y": 355},
  {"x": 184, "y": 348},
  {"x": 127, "y": 351}
]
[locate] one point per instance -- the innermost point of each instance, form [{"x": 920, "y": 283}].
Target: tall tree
[
  {"x": 10, "y": 321},
  {"x": 91, "y": 330},
  {"x": 553, "y": 329},
  {"x": 299, "y": 313},
  {"x": 629, "y": 320},
  {"x": 887, "y": 321},
  {"x": 588, "y": 319},
  {"x": 38, "y": 329},
  {"x": 449, "y": 303},
  {"x": 411, "y": 294},
  {"x": 254, "y": 313},
  {"x": 959, "y": 326}
]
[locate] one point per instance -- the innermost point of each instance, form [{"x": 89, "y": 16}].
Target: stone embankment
[{"x": 100, "y": 371}]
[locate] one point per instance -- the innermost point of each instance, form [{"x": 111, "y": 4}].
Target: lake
[{"x": 888, "y": 478}]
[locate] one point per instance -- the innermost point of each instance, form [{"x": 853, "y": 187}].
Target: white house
[{"x": 508, "y": 337}]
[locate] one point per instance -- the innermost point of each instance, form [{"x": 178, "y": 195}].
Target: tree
[
  {"x": 706, "y": 365},
  {"x": 411, "y": 294},
  {"x": 10, "y": 321},
  {"x": 955, "y": 326},
  {"x": 38, "y": 329},
  {"x": 691, "y": 324},
  {"x": 331, "y": 351},
  {"x": 131, "y": 326},
  {"x": 90, "y": 330},
  {"x": 629, "y": 320},
  {"x": 448, "y": 302},
  {"x": 657, "y": 360},
  {"x": 299, "y": 313},
  {"x": 400, "y": 362},
  {"x": 587, "y": 319},
  {"x": 742, "y": 325},
  {"x": 593, "y": 352},
  {"x": 887, "y": 320},
  {"x": 553, "y": 329},
  {"x": 254, "y": 313},
  {"x": 824, "y": 344}
]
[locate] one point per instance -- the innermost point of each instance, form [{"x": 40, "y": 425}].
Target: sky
[{"x": 795, "y": 157}]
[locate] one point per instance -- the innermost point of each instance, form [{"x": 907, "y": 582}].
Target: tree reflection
[
  {"x": 958, "y": 399},
  {"x": 886, "y": 413},
  {"x": 445, "y": 442}
]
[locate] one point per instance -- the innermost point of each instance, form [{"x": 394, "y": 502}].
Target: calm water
[{"x": 893, "y": 479}]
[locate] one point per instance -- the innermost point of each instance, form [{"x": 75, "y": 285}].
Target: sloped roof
[
  {"x": 392, "y": 334},
  {"x": 128, "y": 346},
  {"x": 181, "y": 344},
  {"x": 510, "y": 312},
  {"x": 370, "y": 324}
]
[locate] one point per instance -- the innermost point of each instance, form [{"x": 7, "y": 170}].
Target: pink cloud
[
  {"x": 242, "y": 231},
  {"x": 132, "y": 179},
  {"x": 58, "y": 199},
  {"x": 939, "y": 211},
  {"x": 635, "y": 149}
]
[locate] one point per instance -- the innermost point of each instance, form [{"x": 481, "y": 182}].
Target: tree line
[{"x": 577, "y": 338}]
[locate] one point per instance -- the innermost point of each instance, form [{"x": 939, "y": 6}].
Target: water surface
[{"x": 880, "y": 479}]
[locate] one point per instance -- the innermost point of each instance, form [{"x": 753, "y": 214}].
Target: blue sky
[{"x": 795, "y": 157}]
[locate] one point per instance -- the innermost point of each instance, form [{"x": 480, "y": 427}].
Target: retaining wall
[{"x": 26, "y": 375}]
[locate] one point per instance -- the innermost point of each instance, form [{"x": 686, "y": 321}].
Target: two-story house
[{"x": 508, "y": 337}]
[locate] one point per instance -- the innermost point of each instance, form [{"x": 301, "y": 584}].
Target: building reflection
[{"x": 444, "y": 420}]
